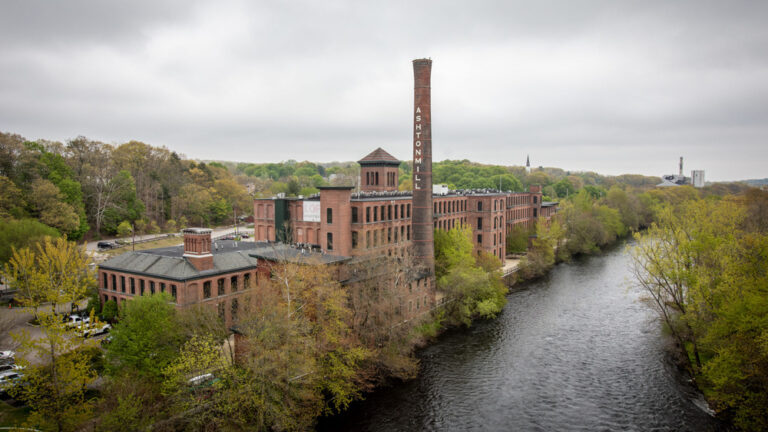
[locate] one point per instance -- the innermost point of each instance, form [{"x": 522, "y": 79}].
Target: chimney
[
  {"x": 423, "y": 230},
  {"x": 681, "y": 166},
  {"x": 197, "y": 248}
]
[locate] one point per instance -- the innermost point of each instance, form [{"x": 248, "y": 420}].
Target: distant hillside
[{"x": 756, "y": 182}]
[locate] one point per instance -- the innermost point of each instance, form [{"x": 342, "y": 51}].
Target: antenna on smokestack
[{"x": 681, "y": 166}]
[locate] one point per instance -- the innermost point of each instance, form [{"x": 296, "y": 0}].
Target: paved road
[{"x": 217, "y": 232}]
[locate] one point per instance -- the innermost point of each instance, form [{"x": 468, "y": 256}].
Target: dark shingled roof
[
  {"x": 379, "y": 156},
  {"x": 168, "y": 263}
]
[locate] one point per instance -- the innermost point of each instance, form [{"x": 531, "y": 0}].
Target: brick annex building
[
  {"x": 200, "y": 271},
  {"x": 377, "y": 219}
]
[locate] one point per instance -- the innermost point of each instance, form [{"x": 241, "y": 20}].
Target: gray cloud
[{"x": 610, "y": 87}]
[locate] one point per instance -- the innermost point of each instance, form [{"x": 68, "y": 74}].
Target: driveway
[{"x": 217, "y": 232}]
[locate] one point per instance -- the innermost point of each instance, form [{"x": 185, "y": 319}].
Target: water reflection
[{"x": 575, "y": 350}]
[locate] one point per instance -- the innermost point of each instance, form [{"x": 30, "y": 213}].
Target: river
[{"x": 575, "y": 350}]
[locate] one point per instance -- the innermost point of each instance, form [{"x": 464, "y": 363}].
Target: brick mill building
[
  {"x": 376, "y": 220},
  {"x": 355, "y": 231}
]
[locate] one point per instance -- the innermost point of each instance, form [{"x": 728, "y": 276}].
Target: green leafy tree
[
  {"x": 11, "y": 199},
  {"x": 20, "y": 234},
  {"x": 547, "y": 247},
  {"x": 55, "y": 390},
  {"x": 170, "y": 226},
  {"x": 146, "y": 339},
  {"x": 58, "y": 272},
  {"x": 51, "y": 209},
  {"x": 109, "y": 311},
  {"x": 124, "y": 229},
  {"x": 517, "y": 239},
  {"x": 472, "y": 283},
  {"x": 702, "y": 269}
]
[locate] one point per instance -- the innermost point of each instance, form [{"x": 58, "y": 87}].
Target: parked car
[
  {"x": 7, "y": 355},
  {"x": 9, "y": 379},
  {"x": 94, "y": 330},
  {"x": 102, "y": 245},
  {"x": 76, "y": 320},
  {"x": 244, "y": 235},
  {"x": 10, "y": 366}
]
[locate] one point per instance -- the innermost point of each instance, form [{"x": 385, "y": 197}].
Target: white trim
[{"x": 197, "y": 256}]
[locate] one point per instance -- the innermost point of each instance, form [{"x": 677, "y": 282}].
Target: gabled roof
[
  {"x": 379, "y": 156},
  {"x": 169, "y": 264}
]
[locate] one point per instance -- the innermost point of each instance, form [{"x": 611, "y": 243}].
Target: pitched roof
[
  {"x": 168, "y": 263},
  {"x": 379, "y": 156}
]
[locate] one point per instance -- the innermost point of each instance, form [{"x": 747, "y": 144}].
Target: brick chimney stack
[
  {"x": 197, "y": 248},
  {"x": 423, "y": 229}
]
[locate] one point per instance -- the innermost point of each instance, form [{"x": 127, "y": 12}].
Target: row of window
[
  {"x": 442, "y": 207},
  {"x": 524, "y": 213},
  {"x": 498, "y": 236},
  {"x": 380, "y": 213},
  {"x": 521, "y": 200},
  {"x": 383, "y": 236},
  {"x": 132, "y": 285},
  {"x": 264, "y": 211},
  {"x": 221, "y": 289},
  {"x": 450, "y": 223},
  {"x": 498, "y": 222}
]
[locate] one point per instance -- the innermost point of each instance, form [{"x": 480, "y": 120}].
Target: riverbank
[{"x": 572, "y": 350}]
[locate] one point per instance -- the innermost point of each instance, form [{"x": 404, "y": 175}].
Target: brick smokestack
[{"x": 423, "y": 230}]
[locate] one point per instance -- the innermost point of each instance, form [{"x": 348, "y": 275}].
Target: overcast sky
[{"x": 608, "y": 86}]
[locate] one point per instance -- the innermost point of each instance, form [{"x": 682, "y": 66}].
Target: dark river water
[{"x": 575, "y": 350}]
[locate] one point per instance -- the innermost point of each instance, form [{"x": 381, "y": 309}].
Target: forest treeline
[
  {"x": 50, "y": 188},
  {"x": 700, "y": 258},
  {"x": 702, "y": 265}
]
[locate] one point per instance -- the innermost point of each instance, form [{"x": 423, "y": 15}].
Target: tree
[
  {"x": 109, "y": 311},
  {"x": 57, "y": 272},
  {"x": 170, "y": 226},
  {"x": 11, "y": 199},
  {"x": 55, "y": 390},
  {"x": 564, "y": 188},
  {"x": 547, "y": 247},
  {"x": 50, "y": 207},
  {"x": 116, "y": 201},
  {"x": 200, "y": 355},
  {"x": 517, "y": 239},
  {"x": 23, "y": 233},
  {"x": 472, "y": 283},
  {"x": 124, "y": 229},
  {"x": 702, "y": 267},
  {"x": 146, "y": 339}
]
